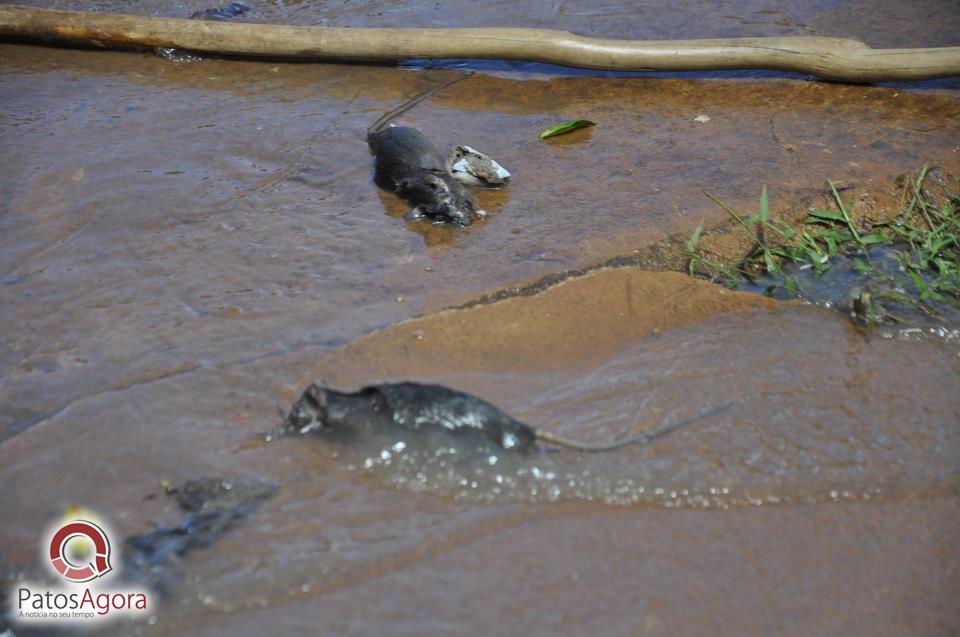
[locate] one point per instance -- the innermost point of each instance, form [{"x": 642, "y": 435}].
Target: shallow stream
[{"x": 184, "y": 247}]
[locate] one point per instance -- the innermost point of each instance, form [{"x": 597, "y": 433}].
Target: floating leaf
[{"x": 566, "y": 127}]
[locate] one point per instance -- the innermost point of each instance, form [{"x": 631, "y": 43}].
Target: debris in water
[
  {"x": 473, "y": 168},
  {"x": 212, "y": 507}
]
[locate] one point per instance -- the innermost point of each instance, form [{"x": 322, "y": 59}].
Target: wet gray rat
[
  {"x": 414, "y": 406},
  {"x": 408, "y": 165}
]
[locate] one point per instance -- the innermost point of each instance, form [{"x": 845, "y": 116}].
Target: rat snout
[
  {"x": 450, "y": 209},
  {"x": 309, "y": 413},
  {"x": 461, "y": 215},
  {"x": 463, "y": 209}
]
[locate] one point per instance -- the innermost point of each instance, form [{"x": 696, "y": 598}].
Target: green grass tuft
[{"x": 924, "y": 237}]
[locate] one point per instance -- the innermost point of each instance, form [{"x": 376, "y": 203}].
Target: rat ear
[
  {"x": 317, "y": 394},
  {"x": 436, "y": 183},
  {"x": 401, "y": 186}
]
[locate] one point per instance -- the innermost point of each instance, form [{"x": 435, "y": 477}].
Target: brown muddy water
[{"x": 184, "y": 247}]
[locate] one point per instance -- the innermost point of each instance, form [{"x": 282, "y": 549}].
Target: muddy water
[
  {"x": 165, "y": 218},
  {"x": 854, "y": 419},
  {"x": 182, "y": 248},
  {"x": 845, "y": 415},
  {"x": 792, "y": 436}
]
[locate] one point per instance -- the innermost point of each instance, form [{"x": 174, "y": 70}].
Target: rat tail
[
  {"x": 642, "y": 439},
  {"x": 385, "y": 119}
]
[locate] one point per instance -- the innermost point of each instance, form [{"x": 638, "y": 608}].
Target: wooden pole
[{"x": 828, "y": 58}]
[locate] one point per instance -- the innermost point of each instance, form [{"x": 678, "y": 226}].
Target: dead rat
[
  {"x": 408, "y": 165},
  {"x": 414, "y": 406}
]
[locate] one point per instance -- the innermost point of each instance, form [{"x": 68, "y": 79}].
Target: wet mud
[{"x": 185, "y": 247}]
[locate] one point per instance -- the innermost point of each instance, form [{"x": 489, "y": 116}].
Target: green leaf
[
  {"x": 943, "y": 267},
  {"x": 763, "y": 212},
  {"x": 831, "y": 242},
  {"x": 817, "y": 259},
  {"x": 861, "y": 266},
  {"x": 940, "y": 245},
  {"x": 694, "y": 238},
  {"x": 917, "y": 280},
  {"x": 873, "y": 239},
  {"x": 771, "y": 265},
  {"x": 566, "y": 127},
  {"x": 827, "y": 214}
]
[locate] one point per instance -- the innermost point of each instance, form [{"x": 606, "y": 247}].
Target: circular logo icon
[{"x": 92, "y": 535}]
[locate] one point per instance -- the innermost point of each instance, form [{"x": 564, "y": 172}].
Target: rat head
[
  {"x": 320, "y": 409},
  {"x": 308, "y": 414},
  {"x": 440, "y": 197}
]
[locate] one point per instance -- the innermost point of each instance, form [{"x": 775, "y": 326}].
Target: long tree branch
[{"x": 828, "y": 58}]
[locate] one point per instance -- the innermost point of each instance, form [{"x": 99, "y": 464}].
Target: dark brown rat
[
  {"x": 408, "y": 165},
  {"x": 414, "y": 406}
]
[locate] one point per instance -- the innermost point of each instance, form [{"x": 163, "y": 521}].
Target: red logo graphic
[{"x": 100, "y": 565}]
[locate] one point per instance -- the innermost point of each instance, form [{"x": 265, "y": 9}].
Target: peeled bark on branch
[{"x": 828, "y": 58}]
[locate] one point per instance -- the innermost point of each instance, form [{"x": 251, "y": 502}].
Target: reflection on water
[
  {"x": 445, "y": 235},
  {"x": 521, "y": 69}
]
